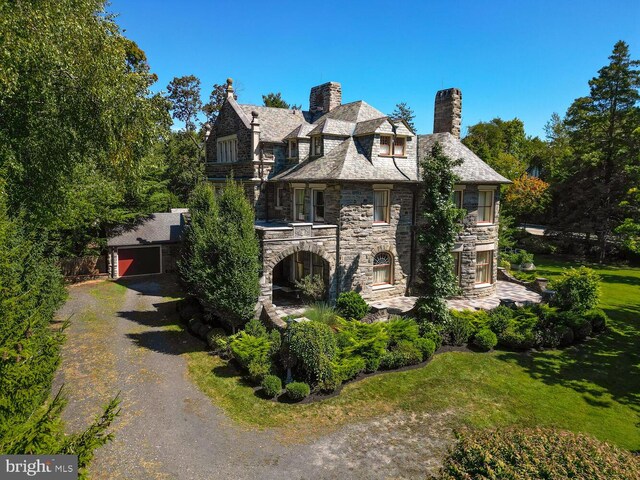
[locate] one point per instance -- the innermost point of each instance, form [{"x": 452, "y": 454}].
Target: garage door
[{"x": 138, "y": 261}]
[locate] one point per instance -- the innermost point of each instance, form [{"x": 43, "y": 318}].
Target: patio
[
  {"x": 504, "y": 290},
  {"x": 401, "y": 305}
]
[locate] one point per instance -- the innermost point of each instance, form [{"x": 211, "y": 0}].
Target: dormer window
[
  {"x": 385, "y": 145},
  {"x": 317, "y": 145},
  {"x": 390, "y": 146},
  {"x": 227, "y": 149},
  {"x": 293, "y": 149}
]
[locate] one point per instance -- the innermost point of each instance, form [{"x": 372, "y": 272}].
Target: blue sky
[{"x": 510, "y": 58}]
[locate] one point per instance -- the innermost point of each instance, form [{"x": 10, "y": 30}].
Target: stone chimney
[
  {"x": 325, "y": 97},
  {"x": 448, "y": 112}
]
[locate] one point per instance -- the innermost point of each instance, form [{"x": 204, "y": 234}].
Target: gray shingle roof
[
  {"x": 352, "y": 112},
  {"x": 276, "y": 123},
  {"x": 348, "y": 162},
  {"x": 300, "y": 132},
  {"x": 472, "y": 170},
  {"x": 157, "y": 228},
  {"x": 369, "y": 126},
  {"x": 331, "y": 126}
]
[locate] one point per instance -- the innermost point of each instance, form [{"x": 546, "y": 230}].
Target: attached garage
[{"x": 149, "y": 248}]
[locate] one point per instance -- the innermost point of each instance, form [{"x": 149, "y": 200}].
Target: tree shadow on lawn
[{"x": 608, "y": 363}]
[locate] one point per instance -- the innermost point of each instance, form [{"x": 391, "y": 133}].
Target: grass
[{"x": 592, "y": 388}]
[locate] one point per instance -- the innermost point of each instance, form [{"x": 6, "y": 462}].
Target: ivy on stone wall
[{"x": 440, "y": 221}]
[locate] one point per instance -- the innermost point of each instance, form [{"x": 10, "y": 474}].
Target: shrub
[
  {"x": 532, "y": 454},
  {"x": 271, "y": 386},
  {"x": 499, "y": 319},
  {"x": 352, "y": 305},
  {"x": 313, "y": 344},
  {"x": 297, "y": 390},
  {"x": 578, "y": 322},
  {"x": 426, "y": 346},
  {"x": 247, "y": 349},
  {"x": 258, "y": 369},
  {"x": 368, "y": 341},
  {"x": 214, "y": 334},
  {"x": 312, "y": 287},
  {"x": 399, "y": 329},
  {"x": 485, "y": 339},
  {"x": 402, "y": 354},
  {"x": 597, "y": 318},
  {"x": 504, "y": 263},
  {"x": 348, "y": 367},
  {"x": 322, "y": 312},
  {"x": 433, "y": 333},
  {"x": 457, "y": 330},
  {"x": 478, "y": 319},
  {"x": 577, "y": 289},
  {"x": 255, "y": 328}
]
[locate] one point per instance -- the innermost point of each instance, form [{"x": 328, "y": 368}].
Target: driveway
[{"x": 123, "y": 338}]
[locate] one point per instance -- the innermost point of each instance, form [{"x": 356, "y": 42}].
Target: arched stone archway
[{"x": 273, "y": 256}]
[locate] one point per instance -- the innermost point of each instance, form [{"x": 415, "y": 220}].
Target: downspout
[{"x": 393, "y": 156}]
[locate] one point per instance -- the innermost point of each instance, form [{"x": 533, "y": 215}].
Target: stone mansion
[{"x": 337, "y": 192}]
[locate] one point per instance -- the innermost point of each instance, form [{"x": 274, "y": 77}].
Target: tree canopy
[
  {"x": 275, "y": 100},
  {"x": 404, "y": 112}
]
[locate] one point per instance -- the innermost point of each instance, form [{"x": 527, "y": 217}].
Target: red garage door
[{"x": 138, "y": 261}]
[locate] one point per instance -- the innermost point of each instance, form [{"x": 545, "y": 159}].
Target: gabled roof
[
  {"x": 157, "y": 228},
  {"x": 472, "y": 170},
  {"x": 368, "y": 127},
  {"x": 275, "y": 123},
  {"x": 331, "y": 126},
  {"x": 301, "y": 131},
  {"x": 347, "y": 162},
  {"x": 352, "y": 112}
]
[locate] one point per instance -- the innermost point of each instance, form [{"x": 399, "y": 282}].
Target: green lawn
[{"x": 593, "y": 388}]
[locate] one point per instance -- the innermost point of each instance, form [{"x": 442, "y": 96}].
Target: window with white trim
[
  {"x": 485, "y": 206},
  {"x": 381, "y": 206},
  {"x": 293, "y": 149},
  {"x": 299, "y": 210},
  {"x": 318, "y": 205},
  {"x": 317, "y": 145},
  {"x": 227, "y": 149},
  {"x": 390, "y": 146},
  {"x": 484, "y": 267},
  {"x": 382, "y": 264}
]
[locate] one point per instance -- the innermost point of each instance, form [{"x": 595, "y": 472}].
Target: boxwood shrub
[
  {"x": 271, "y": 386},
  {"x": 352, "y": 305},
  {"x": 297, "y": 390},
  {"x": 403, "y": 354},
  {"x": 577, "y": 289},
  {"x": 598, "y": 319},
  {"x": 485, "y": 339}
]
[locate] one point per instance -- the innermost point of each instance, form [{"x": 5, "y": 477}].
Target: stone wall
[
  {"x": 360, "y": 240},
  {"x": 474, "y": 235},
  {"x": 278, "y": 243},
  {"x": 228, "y": 123}
]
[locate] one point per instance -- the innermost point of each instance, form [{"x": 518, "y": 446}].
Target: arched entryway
[
  {"x": 283, "y": 266},
  {"x": 295, "y": 269}
]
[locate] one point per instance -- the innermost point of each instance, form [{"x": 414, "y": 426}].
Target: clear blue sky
[{"x": 510, "y": 58}]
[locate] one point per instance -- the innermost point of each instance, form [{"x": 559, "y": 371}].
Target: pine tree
[
  {"x": 404, "y": 112},
  {"x": 602, "y": 130}
]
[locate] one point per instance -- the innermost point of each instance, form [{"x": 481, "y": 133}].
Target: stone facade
[{"x": 351, "y": 167}]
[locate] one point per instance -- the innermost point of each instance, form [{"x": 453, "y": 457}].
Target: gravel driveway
[{"x": 123, "y": 338}]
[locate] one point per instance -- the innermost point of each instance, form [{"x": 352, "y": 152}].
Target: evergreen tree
[
  {"x": 439, "y": 224},
  {"x": 275, "y": 100},
  {"x": 184, "y": 95},
  {"x": 602, "y": 133},
  {"x": 404, "y": 112},
  {"x": 220, "y": 265}
]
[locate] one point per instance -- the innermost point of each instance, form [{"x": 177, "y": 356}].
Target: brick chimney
[
  {"x": 325, "y": 97},
  {"x": 448, "y": 112}
]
